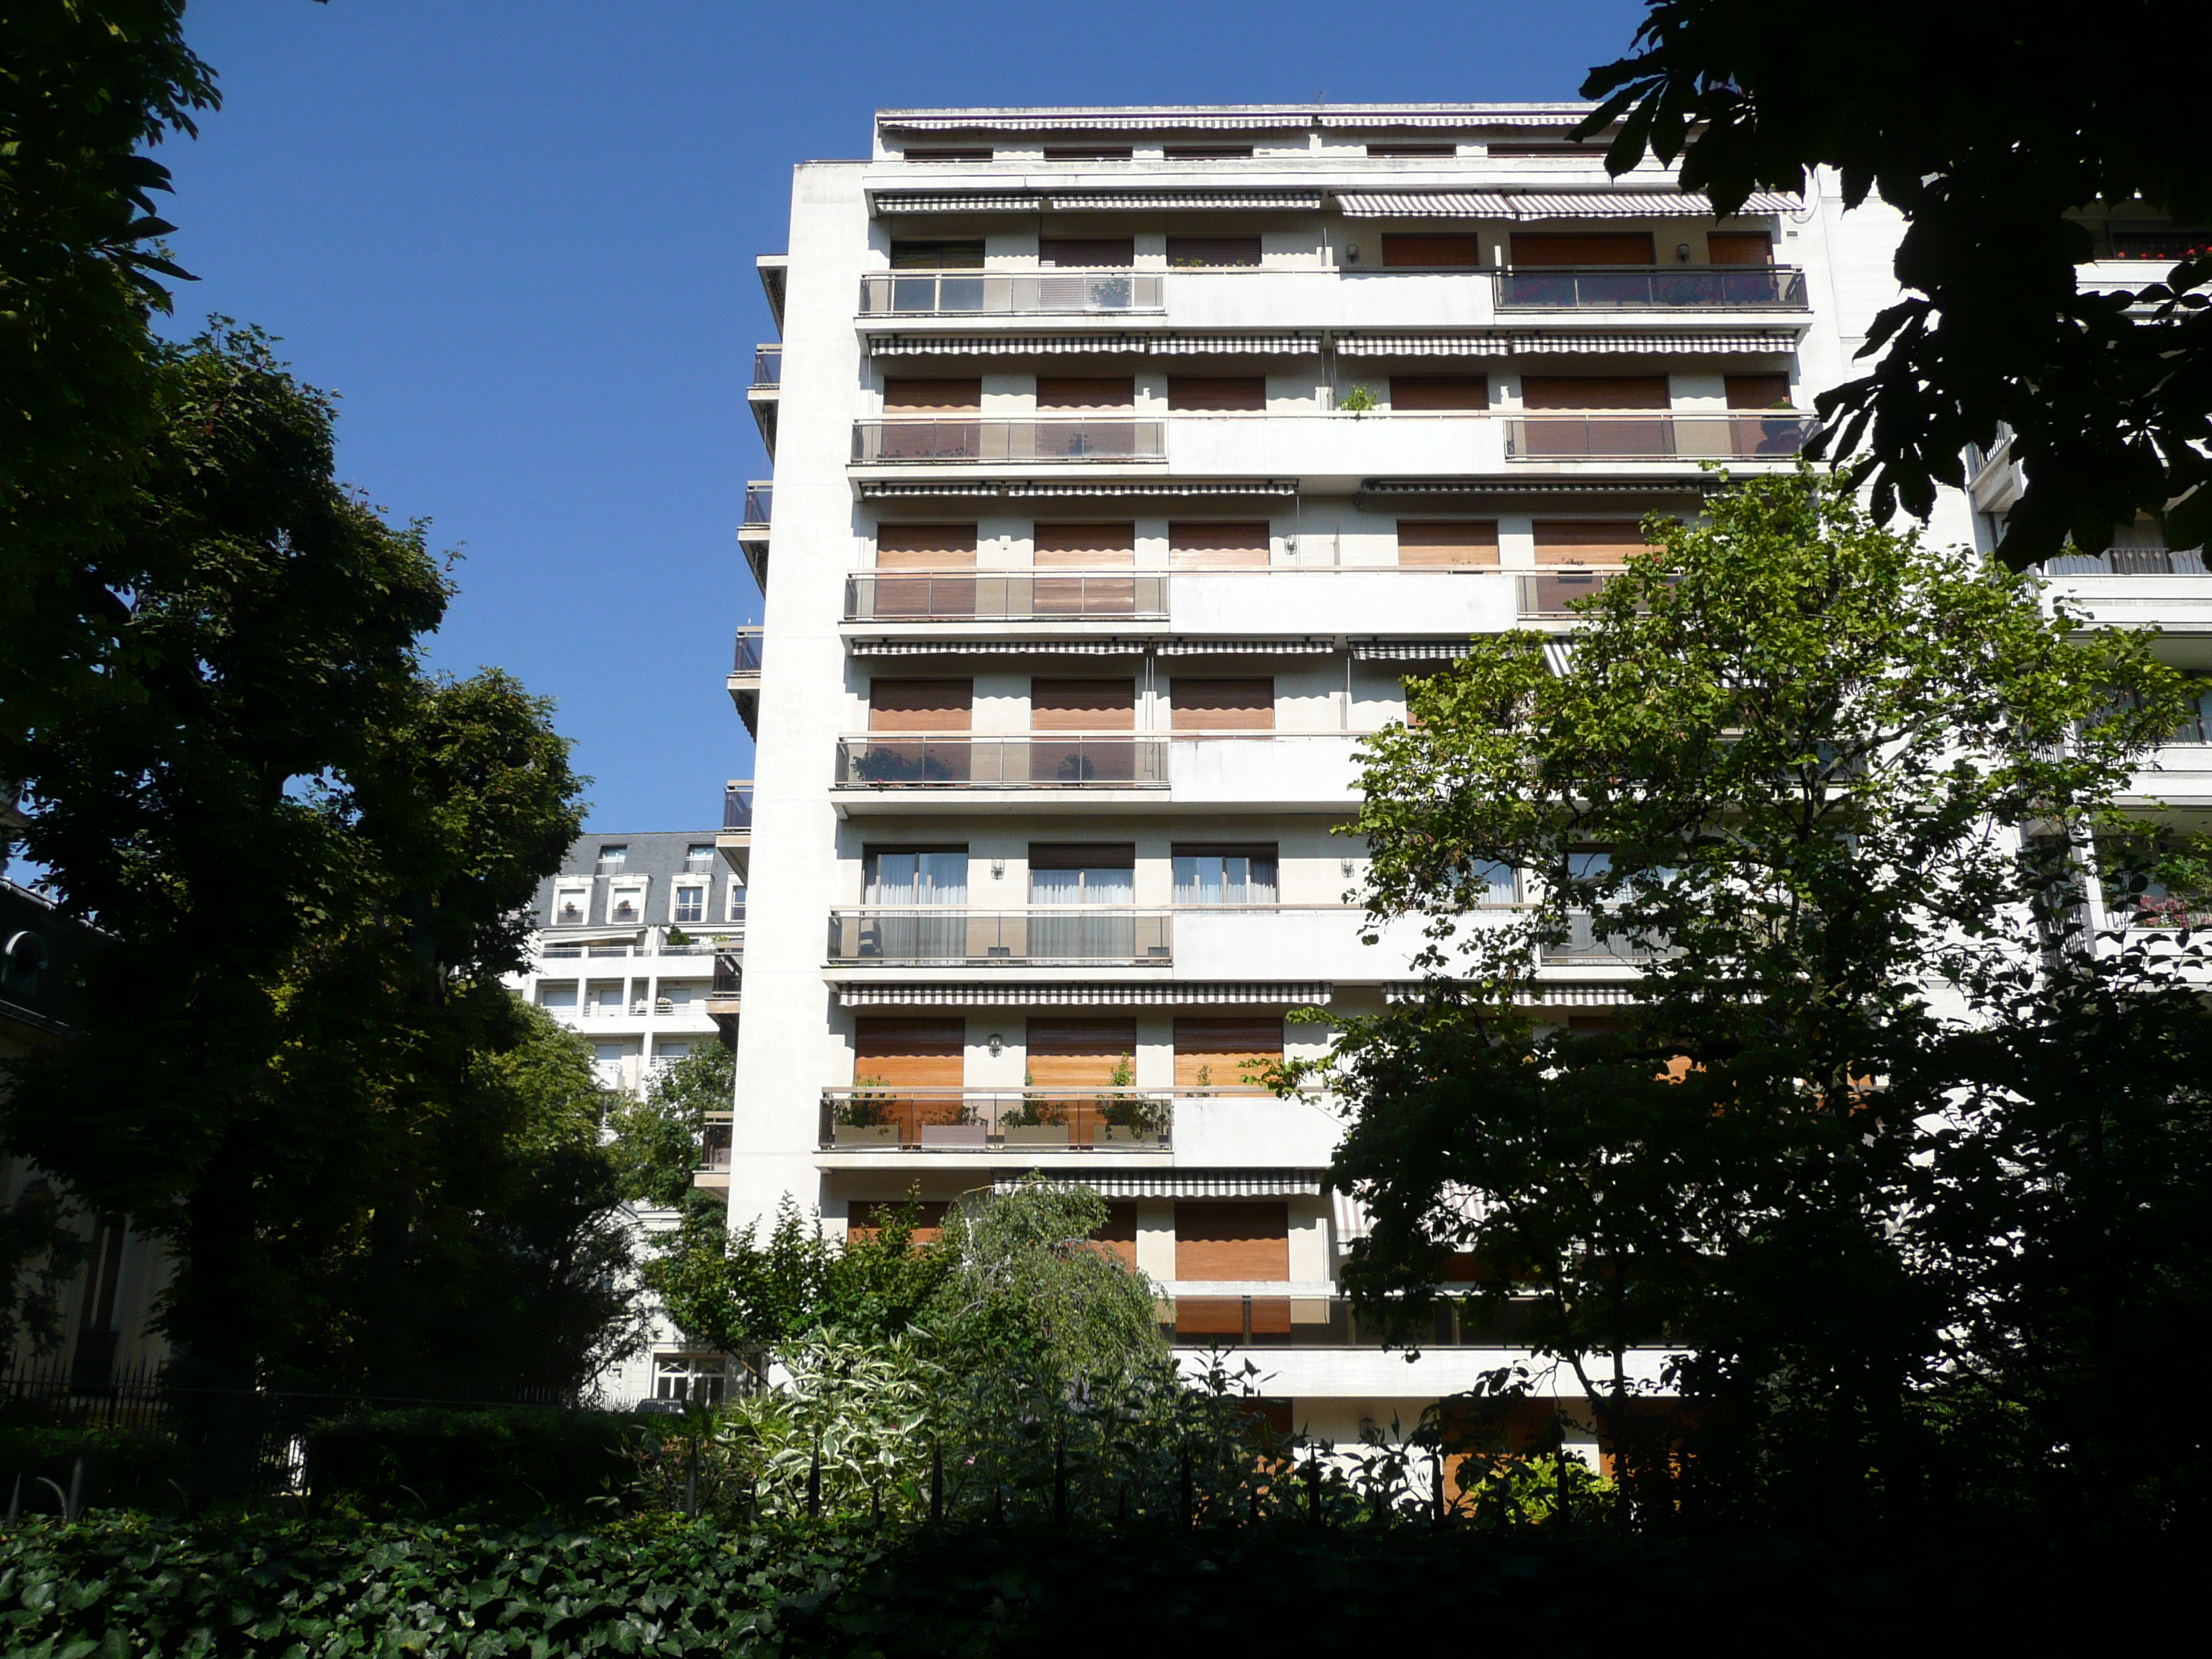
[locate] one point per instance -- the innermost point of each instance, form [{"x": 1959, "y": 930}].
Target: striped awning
[
  {"x": 1239, "y": 1183},
  {"x": 1156, "y": 345},
  {"x": 1534, "y": 996},
  {"x": 1565, "y": 343},
  {"x": 1375, "y": 119},
  {"x": 1424, "y": 345},
  {"x": 1192, "y": 995},
  {"x": 1252, "y": 345},
  {"x": 1521, "y": 206},
  {"x": 996, "y": 647},
  {"x": 1032, "y": 488},
  {"x": 1166, "y": 120},
  {"x": 1423, "y": 204},
  {"x": 1410, "y": 651},
  {"x": 1247, "y": 648},
  {"x": 1181, "y": 201},
  {"x": 907, "y": 201},
  {"x": 1545, "y": 486}
]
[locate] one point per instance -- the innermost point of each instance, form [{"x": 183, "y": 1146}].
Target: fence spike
[
  {"x": 15, "y": 1500},
  {"x": 1185, "y": 1492},
  {"x": 1313, "y": 1489},
  {"x": 936, "y": 1480}
]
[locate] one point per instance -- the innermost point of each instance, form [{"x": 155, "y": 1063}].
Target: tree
[
  {"x": 313, "y": 861},
  {"x": 84, "y": 89},
  {"x": 1785, "y": 775},
  {"x": 661, "y": 1137},
  {"x": 1988, "y": 141}
]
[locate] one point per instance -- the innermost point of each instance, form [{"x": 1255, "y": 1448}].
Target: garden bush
[
  {"x": 516, "y": 1464},
  {"x": 129, "y": 1467}
]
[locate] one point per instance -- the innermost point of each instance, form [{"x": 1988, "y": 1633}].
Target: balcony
[
  {"x": 2129, "y": 561},
  {"x": 767, "y": 366},
  {"x": 764, "y": 396},
  {"x": 760, "y": 497},
  {"x": 1297, "y": 1322},
  {"x": 1024, "y": 1120},
  {"x": 745, "y": 678},
  {"x": 1552, "y": 594},
  {"x": 1653, "y": 435},
  {"x": 725, "y": 993},
  {"x": 1014, "y": 596},
  {"x": 1018, "y": 763},
  {"x": 971, "y": 439},
  {"x": 752, "y": 533},
  {"x": 735, "y": 842},
  {"x": 1076, "y": 936},
  {"x": 1584, "y": 945},
  {"x": 1664, "y": 288},
  {"x": 1045, "y": 293},
  {"x": 714, "y": 1171}
]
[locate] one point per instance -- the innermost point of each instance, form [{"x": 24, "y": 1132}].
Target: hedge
[
  {"x": 516, "y": 1464},
  {"x": 122, "y": 1466}
]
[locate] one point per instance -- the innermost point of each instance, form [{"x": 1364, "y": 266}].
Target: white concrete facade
[{"x": 942, "y": 387}]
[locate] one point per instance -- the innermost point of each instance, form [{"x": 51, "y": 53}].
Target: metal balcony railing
[
  {"x": 748, "y": 659},
  {"x": 1296, "y": 1322},
  {"x": 1652, "y": 288},
  {"x": 888, "y": 1118},
  {"x": 760, "y": 497},
  {"x": 1025, "y": 763},
  {"x": 738, "y": 804},
  {"x": 768, "y": 365},
  {"x": 1077, "y": 934},
  {"x": 1024, "y": 596},
  {"x": 1584, "y": 943},
  {"x": 2129, "y": 561},
  {"x": 1656, "y": 435},
  {"x": 2148, "y": 243},
  {"x": 1068, "y": 293},
  {"x": 971, "y": 438}
]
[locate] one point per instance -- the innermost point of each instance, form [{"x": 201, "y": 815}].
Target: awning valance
[
  {"x": 900, "y": 201},
  {"x": 1166, "y": 120},
  {"x": 994, "y": 647},
  {"x": 1181, "y": 201},
  {"x": 1155, "y": 346},
  {"x": 1526, "y": 205},
  {"x": 1192, "y": 995},
  {"x": 1239, "y": 1183},
  {"x": 1247, "y": 648},
  {"x": 875, "y": 490},
  {"x": 1424, "y": 345},
  {"x": 1410, "y": 651}
]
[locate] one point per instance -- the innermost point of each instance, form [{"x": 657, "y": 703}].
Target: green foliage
[
  {"x": 2106, "y": 394},
  {"x": 521, "y": 1465},
  {"x": 40, "y": 1250},
  {"x": 121, "y": 1467},
  {"x": 660, "y": 1138},
  {"x": 1358, "y": 401},
  {"x": 1782, "y": 775}
]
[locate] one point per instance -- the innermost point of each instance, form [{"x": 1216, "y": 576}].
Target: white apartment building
[{"x": 1125, "y": 461}]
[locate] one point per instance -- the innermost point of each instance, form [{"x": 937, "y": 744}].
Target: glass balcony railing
[
  {"x": 2129, "y": 561},
  {"x": 737, "y": 805},
  {"x": 1013, "y": 596},
  {"x": 887, "y": 1118},
  {"x": 1077, "y": 935},
  {"x": 768, "y": 365},
  {"x": 1584, "y": 943},
  {"x": 1020, "y": 763},
  {"x": 971, "y": 438},
  {"x": 748, "y": 658},
  {"x": 1044, "y": 294},
  {"x": 1297, "y": 1322},
  {"x": 1656, "y": 436},
  {"x": 1659, "y": 288},
  {"x": 1554, "y": 592},
  {"x": 760, "y": 496}
]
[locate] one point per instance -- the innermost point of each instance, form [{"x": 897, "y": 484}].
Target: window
[
  {"x": 1739, "y": 247},
  {"x": 1116, "y": 392},
  {"x": 1057, "y": 705},
  {"x": 1080, "y": 1053},
  {"x": 1200, "y": 546},
  {"x": 911, "y": 395},
  {"x": 607, "y": 993},
  {"x": 920, "y": 875},
  {"x": 737, "y": 903},
  {"x": 683, "y": 993},
  {"x": 1757, "y": 391},
  {"x": 1083, "y": 875},
  {"x": 572, "y": 904},
  {"x": 1594, "y": 392},
  {"x": 1087, "y": 152},
  {"x": 1607, "y": 542},
  {"x": 1086, "y": 252},
  {"x": 1233, "y": 1241},
  {"x": 699, "y": 857},
  {"x": 1226, "y": 1052},
  {"x": 699, "y": 1378},
  {"x": 1489, "y": 883},
  {"x": 1206, "y": 152},
  {"x": 612, "y": 857},
  {"x": 1611, "y": 248},
  {"x": 950, "y": 153},
  {"x": 1409, "y": 152},
  {"x": 937, "y": 256},
  {"x": 1456, "y": 251},
  {"x": 1224, "y": 875},
  {"x": 1447, "y": 393},
  {"x": 690, "y": 904},
  {"x": 672, "y": 1049},
  {"x": 920, "y": 705},
  {"x": 1213, "y": 252},
  {"x": 1449, "y": 543},
  {"x": 626, "y": 902},
  {"x": 1214, "y": 392},
  {"x": 910, "y": 1054},
  {"x": 1221, "y": 705},
  {"x": 557, "y": 996},
  {"x": 609, "y": 1054}
]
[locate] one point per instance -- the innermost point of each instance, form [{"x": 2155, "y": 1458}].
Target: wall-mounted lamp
[
  {"x": 996, "y": 1044},
  {"x": 998, "y": 869},
  {"x": 1352, "y": 253},
  {"x": 1345, "y": 865},
  {"x": 1681, "y": 253}
]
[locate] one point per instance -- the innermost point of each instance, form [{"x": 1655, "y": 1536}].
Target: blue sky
[{"x": 518, "y": 240}]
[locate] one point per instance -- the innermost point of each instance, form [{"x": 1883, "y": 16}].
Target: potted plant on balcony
[
  {"x": 1356, "y": 402},
  {"x": 1125, "y": 1118},
  {"x": 868, "y": 1116},
  {"x": 1039, "y": 1121}
]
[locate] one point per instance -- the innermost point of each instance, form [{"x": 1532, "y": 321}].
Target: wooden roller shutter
[
  {"x": 910, "y": 395},
  {"x": 1448, "y": 542},
  {"x": 911, "y": 1054},
  {"x": 1595, "y": 542},
  {"x": 1216, "y": 252},
  {"x": 920, "y": 705},
  {"x": 1083, "y": 705},
  {"x": 1222, "y": 1046},
  {"x": 937, "y": 256},
  {"x": 1085, "y": 546},
  {"x": 1073, "y": 391},
  {"x": 1412, "y": 393},
  {"x": 1196, "y": 545},
  {"x": 1223, "y": 705},
  {"x": 925, "y": 546},
  {"x": 1218, "y": 391},
  {"x": 1453, "y": 251},
  {"x": 1086, "y": 252},
  {"x": 1612, "y": 248},
  {"x": 1080, "y": 1053},
  {"x": 1739, "y": 247},
  {"x": 865, "y": 1218},
  {"x": 1232, "y": 1240},
  {"x": 1757, "y": 390},
  {"x": 1594, "y": 392},
  {"x": 1118, "y": 1237}
]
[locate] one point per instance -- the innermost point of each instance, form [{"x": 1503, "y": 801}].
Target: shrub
[
  {"x": 514, "y": 1463},
  {"x": 124, "y": 1468}
]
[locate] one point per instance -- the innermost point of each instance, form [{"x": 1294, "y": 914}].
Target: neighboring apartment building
[{"x": 1125, "y": 461}]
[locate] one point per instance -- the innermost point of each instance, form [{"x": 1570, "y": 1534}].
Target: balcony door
[
  {"x": 1097, "y": 552},
  {"x": 902, "y": 886},
  {"x": 1224, "y": 875},
  {"x": 937, "y": 419},
  {"x": 1067, "y": 881},
  {"x": 1448, "y": 543},
  {"x": 1560, "y": 421},
  {"x": 902, "y": 714},
  {"x": 907, "y": 1072},
  {"x": 1219, "y": 1052},
  {"x": 1085, "y": 415},
  {"x": 1578, "y": 552},
  {"x": 1068, "y": 1063},
  {"x": 935, "y": 554},
  {"x": 1630, "y": 247},
  {"x": 1446, "y": 394},
  {"x": 1074, "y": 722},
  {"x": 1221, "y": 705},
  {"x": 1240, "y": 544},
  {"x": 1450, "y": 251}
]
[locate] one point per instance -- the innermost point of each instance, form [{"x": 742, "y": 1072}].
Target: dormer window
[
  {"x": 699, "y": 858},
  {"x": 612, "y": 857},
  {"x": 626, "y": 902},
  {"x": 690, "y": 904},
  {"x": 572, "y": 904}
]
